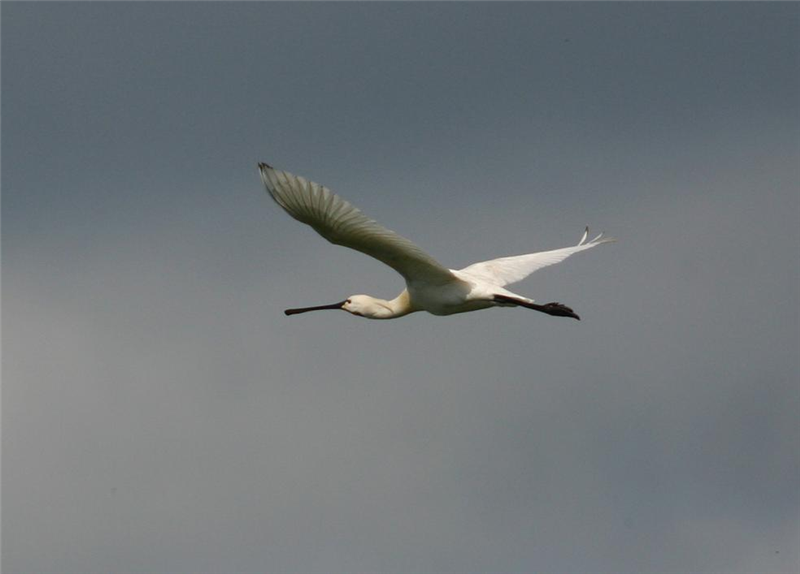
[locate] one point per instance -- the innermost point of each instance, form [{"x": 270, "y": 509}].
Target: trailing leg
[{"x": 555, "y": 309}]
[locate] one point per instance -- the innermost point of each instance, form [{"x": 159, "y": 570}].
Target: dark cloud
[{"x": 161, "y": 414}]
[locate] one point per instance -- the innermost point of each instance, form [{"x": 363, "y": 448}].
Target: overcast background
[{"x": 161, "y": 414}]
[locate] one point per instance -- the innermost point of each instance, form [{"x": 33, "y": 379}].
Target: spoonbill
[{"x": 430, "y": 286}]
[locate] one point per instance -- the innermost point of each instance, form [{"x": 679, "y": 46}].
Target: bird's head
[
  {"x": 360, "y": 305},
  {"x": 365, "y": 306}
]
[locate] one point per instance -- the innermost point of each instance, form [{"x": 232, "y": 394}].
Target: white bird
[{"x": 430, "y": 286}]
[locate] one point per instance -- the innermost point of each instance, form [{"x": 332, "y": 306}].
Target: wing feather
[
  {"x": 341, "y": 223},
  {"x": 507, "y": 270}
]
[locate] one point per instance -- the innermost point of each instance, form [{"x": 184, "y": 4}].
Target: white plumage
[
  {"x": 429, "y": 285},
  {"x": 508, "y": 270}
]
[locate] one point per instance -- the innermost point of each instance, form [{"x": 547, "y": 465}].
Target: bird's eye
[{"x": 348, "y": 301}]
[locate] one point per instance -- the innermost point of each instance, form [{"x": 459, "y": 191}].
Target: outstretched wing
[
  {"x": 507, "y": 270},
  {"x": 343, "y": 224}
]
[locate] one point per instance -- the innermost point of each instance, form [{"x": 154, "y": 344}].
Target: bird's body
[
  {"x": 447, "y": 299},
  {"x": 430, "y": 286}
]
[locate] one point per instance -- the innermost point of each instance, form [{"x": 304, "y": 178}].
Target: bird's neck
[{"x": 397, "y": 307}]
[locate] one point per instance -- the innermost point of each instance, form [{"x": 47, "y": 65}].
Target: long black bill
[{"x": 317, "y": 308}]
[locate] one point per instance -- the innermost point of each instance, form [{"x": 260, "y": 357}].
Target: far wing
[
  {"x": 343, "y": 224},
  {"x": 507, "y": 270}
]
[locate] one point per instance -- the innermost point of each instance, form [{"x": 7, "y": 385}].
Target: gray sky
[{"x": 161, "y": 414}]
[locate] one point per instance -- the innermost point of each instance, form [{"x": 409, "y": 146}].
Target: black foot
[{"x": 559, "y": 310}]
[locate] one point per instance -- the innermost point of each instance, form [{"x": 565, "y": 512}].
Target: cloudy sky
[{"x": 161, "y": 414}]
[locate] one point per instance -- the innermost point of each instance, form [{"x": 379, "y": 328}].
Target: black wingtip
[{"x": 263, "y": 165}]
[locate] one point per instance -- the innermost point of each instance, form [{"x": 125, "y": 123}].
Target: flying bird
[{"x": 430, "y": 286}]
